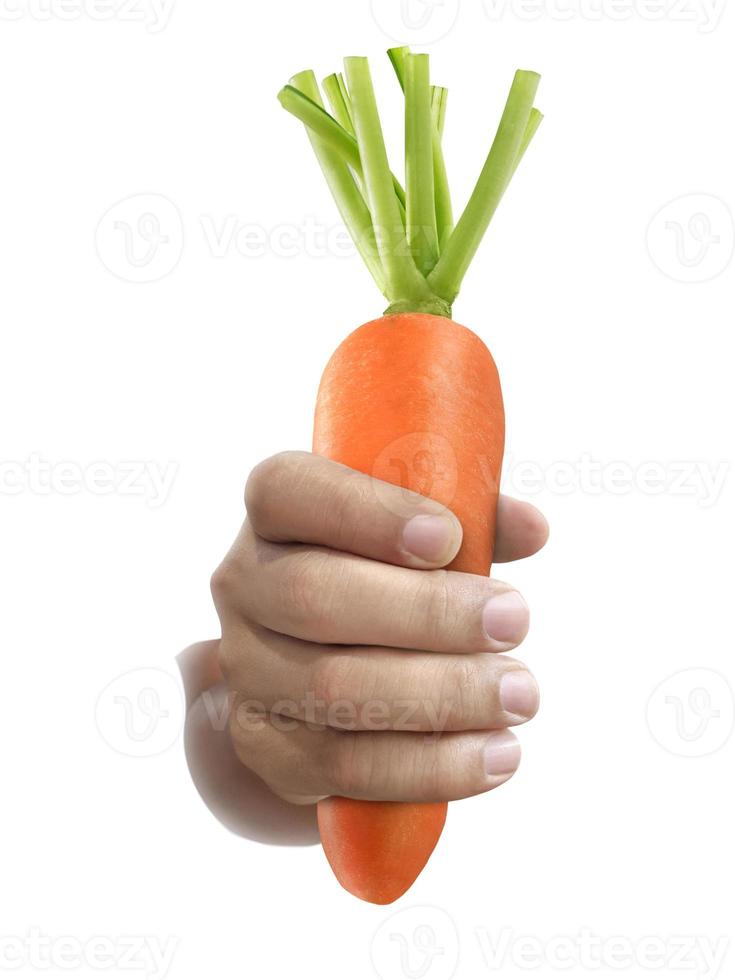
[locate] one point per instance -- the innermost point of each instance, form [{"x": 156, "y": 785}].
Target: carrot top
[{"x": 407, "y": 238}]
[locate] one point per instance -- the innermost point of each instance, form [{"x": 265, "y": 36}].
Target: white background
[{"x": 611, "y": 352}]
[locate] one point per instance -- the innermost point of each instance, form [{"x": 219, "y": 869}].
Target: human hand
[{"x": 346, "y": 646}]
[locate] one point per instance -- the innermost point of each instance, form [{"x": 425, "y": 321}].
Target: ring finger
[{"x": 375, "y": 688}]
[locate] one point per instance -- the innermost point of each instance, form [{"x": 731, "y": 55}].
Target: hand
[{"x": 347, "y": 648}]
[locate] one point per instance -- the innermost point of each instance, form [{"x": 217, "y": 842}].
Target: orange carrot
[
  {"x": 376, "y": 850},
  {"x": 388, "y": 406},
  {"x": 411, "y": 398}
]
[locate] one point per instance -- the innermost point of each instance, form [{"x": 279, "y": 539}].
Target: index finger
[{"x": 305, "y": 498}]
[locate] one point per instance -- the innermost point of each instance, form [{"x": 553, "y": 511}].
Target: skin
[{"x": 347, "y": 647}]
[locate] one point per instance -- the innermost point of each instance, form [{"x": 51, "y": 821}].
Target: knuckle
[
  {"x": 226, "y": 581},
  {"x": 438, "y": 595},
  {"x": 351, "y": 501},
  {"x": 301, "y": 587},
  {"x": 221, "y": 582},
  {"x": 337, "y": 679},
  {"x": 432, "y": 776},
  {"x": 227, "y": 574},
  {"x": 280, "y": 774},
  {"x": 436, "y": 608},
  {"x": 459, "y": 777},
  {"x": 229, "y": 580},
  {"x": 350, "y": 764},
  {"x": 267, "y": 480},
  {"x": 458, "y": 692}
]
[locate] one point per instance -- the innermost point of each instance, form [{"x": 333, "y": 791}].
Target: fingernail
[
  {"x": 430, "y": 537},
  {"x": 505, "y": 617},
  {"x": 519, "y": 693},
  {"x": 502, "y": 754}
]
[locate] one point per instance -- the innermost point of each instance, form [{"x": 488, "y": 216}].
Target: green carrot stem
[
  {"x": 534, "y": 121},
  {"x": 336, "y": 92},
  {"x": 352, "y": 208},
  {"x": 312, "y": 113},
  {"x": 439, "y": 107},
  {"x": 442, "y": 196},
  {"x": 421, "y": 230},
  {"x": 416, "y": 256},
  {"x": 447, "y": 275},
  {"x": 403, "y": 280},
  {"x": 345, "y": 95},
  {"x": 397, "y": 59},
  {"x": 304, "y": 105}
]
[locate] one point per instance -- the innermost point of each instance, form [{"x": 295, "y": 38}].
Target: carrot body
[
  {"x": 377, "y": 850},
  {"x": 412, "y": 399}
]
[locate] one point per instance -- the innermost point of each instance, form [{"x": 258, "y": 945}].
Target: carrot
[
  {"x": 411, "y": 398},
  {"x": 422, "y": 429}
]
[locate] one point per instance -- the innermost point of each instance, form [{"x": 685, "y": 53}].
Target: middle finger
[{"x": 328, "y": 596}]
